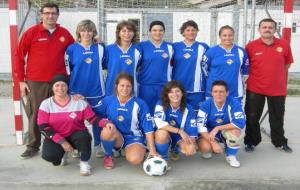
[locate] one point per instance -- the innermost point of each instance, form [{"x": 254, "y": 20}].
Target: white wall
[
  {"x": 5, "y": 66},
  {"x": 70, "y": 20}
]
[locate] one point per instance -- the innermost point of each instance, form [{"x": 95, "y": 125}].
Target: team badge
[
  {"x": 229, "y": 61},
  {"x": 73, "y": 115},
  {"x": 128, "y": 61},
  {"x": 279, "y": 49},
  {"x": 165, "y": 55},
  {"x": 62, "y": 39},
  {"x": 120, "y": 118},
  {"x": 186, "y": 55},
  {"x": 219, "y": 120},
  {"x": 88, "y": 60},
  {"x": 172, "y": 123}
]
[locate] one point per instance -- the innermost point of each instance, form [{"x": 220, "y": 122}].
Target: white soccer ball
[{"x": 155, "y": 166}]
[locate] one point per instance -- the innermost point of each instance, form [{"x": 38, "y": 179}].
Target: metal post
[
  {"x": 288, "y": 20},
  {"x": 101, "y": 19},
  {"x": 253, "y": 11},
  {"x": 12, "y": 5},
  {"x": 245, "y": 22}
]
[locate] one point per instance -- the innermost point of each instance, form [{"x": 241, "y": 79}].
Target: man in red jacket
[
  {"x": 269, "y": 61},
  {"x": 44, "y": 46}
]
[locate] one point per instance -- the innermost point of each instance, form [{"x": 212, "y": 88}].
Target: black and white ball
[{"x": 155, "y": 166}]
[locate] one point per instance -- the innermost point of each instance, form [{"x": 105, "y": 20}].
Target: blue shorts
[
  {"x": 195, "y": 99},
  {"x": 129, "y": 140},
  {"x": 174, "y": 139},
  {"x": 150, "y": 94}
]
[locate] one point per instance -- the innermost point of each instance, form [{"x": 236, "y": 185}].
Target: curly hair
[
  {"x": 130, "y": 26},
  {"x": 167, "y": 89}
]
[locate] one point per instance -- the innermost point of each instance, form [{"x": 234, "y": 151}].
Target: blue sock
[
  {"x": 231, "y": 151},
  {"x": 96, "y": 135},
  {"x": 108, "y": 147},
  {"x": 162, "y": 149}
]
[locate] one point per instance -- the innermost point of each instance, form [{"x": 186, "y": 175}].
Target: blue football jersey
[
  {"x": 131, "y": 119},
  {"x": 84, "y": 65},
  {"x": 154, "y": 67},
  {"x": 182, "y": 120},
  {"x": 187, "y": 65},
  {"x": 226, "y": 65},
  {"x": 116, "y": 61},
  {"x": 209, "y": 116}
]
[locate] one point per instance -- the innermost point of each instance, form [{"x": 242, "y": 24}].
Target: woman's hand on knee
[
  {"x": 111, "y": 128},
  {"x": 67, "y": 147}
]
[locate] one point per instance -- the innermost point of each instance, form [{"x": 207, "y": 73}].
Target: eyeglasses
[{"x": 50, "y": 13}]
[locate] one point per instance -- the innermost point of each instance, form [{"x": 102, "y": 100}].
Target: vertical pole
[
  {"x": 245, "y": 24},
  {"x": 253, "y": 14},
  {"x": 101, "y": 19},
  {"x": 12, "y": 5},
  {"x": 288, "y": 20}
]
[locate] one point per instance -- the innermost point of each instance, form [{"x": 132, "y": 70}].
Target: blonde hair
[{"x": 86, "y": 25}]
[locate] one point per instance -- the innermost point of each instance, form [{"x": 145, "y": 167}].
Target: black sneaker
[
  {"x": 28, "y": 154},
  {"x": 285, "y": 148},
  {"x": 249, "y": 147}
]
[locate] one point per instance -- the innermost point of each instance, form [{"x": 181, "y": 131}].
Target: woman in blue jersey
[
  {"x": 122, "y": 56},
  {"x": 84, "y": 61},
  {"x": 227, "y": 62},
  {"x": 129, "y": 123},
  {"x": 154, "y": 70},
  {"x": 187, "y": 63},
  {"x": 176, "y": 122},
  {"x": 220, "y": 119}
]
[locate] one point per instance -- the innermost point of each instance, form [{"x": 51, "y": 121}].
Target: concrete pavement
[{"x": 266, "y": 168}]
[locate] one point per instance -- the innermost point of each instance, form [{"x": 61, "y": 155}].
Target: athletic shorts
[{"x": 129, "y": 140}]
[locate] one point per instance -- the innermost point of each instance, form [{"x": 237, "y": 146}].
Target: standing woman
[
  {"x": 227, "y": 62},
  {"x": 129, "y": 124},
  {"x": 176, "y": 122},
  {"x": 122, "y": 56},
  {"x": 154, "y": 69},
  {"x": 84, "y": 61},
  {"x": 187, "y": 63}
]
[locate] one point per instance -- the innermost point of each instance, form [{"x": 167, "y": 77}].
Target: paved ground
[{"x": 266, "y": 168}]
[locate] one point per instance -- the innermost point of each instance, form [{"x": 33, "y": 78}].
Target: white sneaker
[
  {"x": 85, "y": 168},
  {"x": 99, "y": 152},
  {"x": 206, "y": 155},
  {"x": 233, "y": 162},
  {"x": 64, "y": 160},
  {"x": 75, "y": 154}
]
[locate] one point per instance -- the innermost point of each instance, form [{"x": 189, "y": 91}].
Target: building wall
[{"x": 70, "y": 19}]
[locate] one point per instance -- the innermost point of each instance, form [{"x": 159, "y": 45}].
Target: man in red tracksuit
[
  {"x": 269, "y": 61},
  {"x": 44, "y": 46}
]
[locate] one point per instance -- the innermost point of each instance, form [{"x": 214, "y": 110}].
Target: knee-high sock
[
  {"x": 162, "y": 149},
  {"x": 231, "y": 151},
  {"x": 108, "y": 147}
]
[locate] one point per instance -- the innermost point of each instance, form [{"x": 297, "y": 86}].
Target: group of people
[{"x": 152, "y": 96}]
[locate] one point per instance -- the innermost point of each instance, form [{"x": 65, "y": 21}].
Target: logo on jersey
[
  {"x": 73, "y": 115},
  {"x": 62, "y": 39},
  {"x": 279, "y": 49},
  {"x": 128, "y": 61},
  {"x": 187, "y": 55},
  {"x": 88, "y": 60},
  {"x": 165, "y": 55},
  {"x": 219, "y": 120},
  {"x": 158, "y": 114},
  {"x": 229, "y": 61},
  {"x": 120, "y": 118},
  {"x": 239, "y": 115},
  {"x": 172, "y": 123},
  {"x": 193, "y": 123},
  {"x": 148, "y": 117}
]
